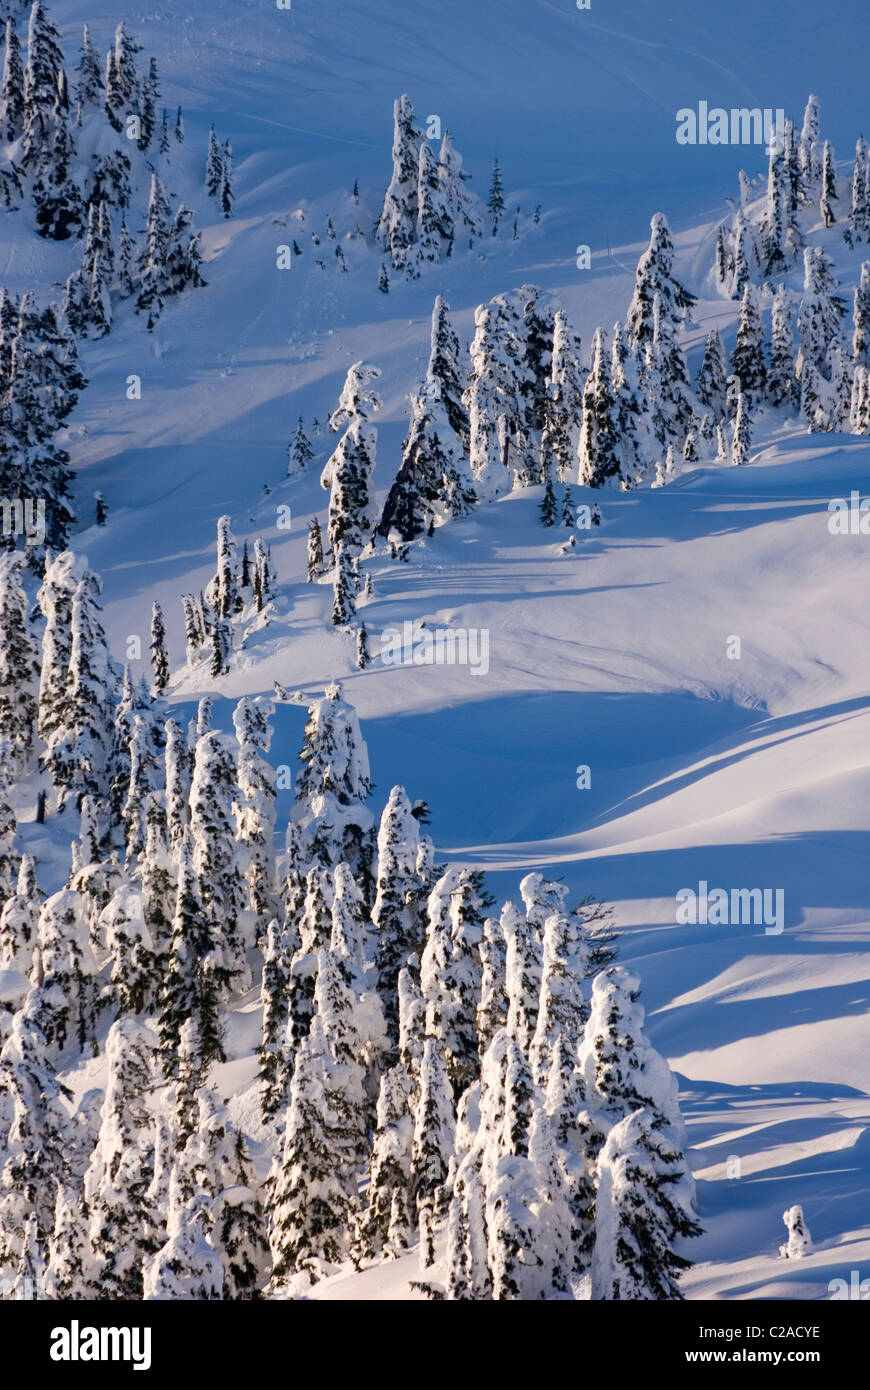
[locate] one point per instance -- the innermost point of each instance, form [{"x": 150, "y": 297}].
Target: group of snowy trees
[
  {"x": 822, "y": 375},
  {"x": 49, "y": 135},
  {"x": 40, "y": 380},
  {"x": 427, "y": 209},
  {"x": 456, "y": 1060},
  {"x": 237, "y": 597}
]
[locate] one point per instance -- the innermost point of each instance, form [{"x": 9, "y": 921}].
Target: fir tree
[
  {"x": 396, "y": 229},
  {"x": 19, "y": 669},
  {"x": 348, "y": 470},
  {"x": 781, "y": 369},
  {"x": 117, "y": 1180},
  {"x": 563, "y": 406},
  {"x": 598, "y": 447},
  {"x": 547, "y": 508},
  {"x": 315, "y": 550},
  {"x": 218, "y": 859},
  {"x": 226, "y": 189},
  {"x": 861, "y": 319},
  {"x": 399, "y": 912},
  {"x": 214, "y": 169},
  {"x": 446, "y": 368},
  {"x": 712, "y": 377},
  {"x": 196, "y": 976},
  {"x": 644, "y": 1205},
  {"x": 495, "y": 201},
  {"x": 148, "y": 107},
  {"x": 300, "y": 452},
  {"x": 12, "y": 89},
  {"x": 159, "y": 654},
  {"x": 432, "y": 1147},
  {"x": 748, "y": 363}
]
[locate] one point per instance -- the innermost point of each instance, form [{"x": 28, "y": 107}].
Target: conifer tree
[
  {"x": 399, "y": 912},
  {"x": 148, "y": 107},
  {"x": 226, "y": 188},
  {"x": 187, "y": 1267},
  {"x": 213, "y": 165},
  {"x": 748, "y": 363},
  {"x": 450, "y": 970},
  {"x": 434, "y": 480},
  {"x": 117, "y": 1180},
  {"x": 495, "y": 201},
  {"x": 281, "y": 946},
  {"x": 563, "y": 406},
  {"x": 348, "y": 470},
  {"x": 221, "y": 1167},
  {"x": 255, "y": 809},
  {"x": 312, "y": 1196},
  {"x": 153, "y": 276},
  {"x": 18, "y": 920},
  {"x": 388, "y": 1223},
  {"x": 68, "y": 1249},
  {"x": 621, "y": 1070},
  {"x": 446, "y": 367},
  {"x": 300, "y": 452},
  {"x": 492, "y": 1008},
  {"x": 315, "y": 550},
  {"x": 644, "y": 1205},
  {"x": 12, "y": 89},
  {"x": 781, "y": 369},
  {"x": 712, "y": 377},
  {"x": 196, "y": 977},
  {"x": 396, "y": 229},
  {"x": 177, "y": 783},
  {"x": 159, "y": 654},
  {"x": 654, "y": 276},
  {"x": 432, "y": 1147},
  {"x": 79, "y": 749},
  {"x": 598, "y": 448},
  {"x": 219, "y": 861},
  {"x": 861, "y": 319},
  {"x": 19, "y": 669}
]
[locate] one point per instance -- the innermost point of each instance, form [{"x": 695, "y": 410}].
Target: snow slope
[{"x": 740, "y": 773}]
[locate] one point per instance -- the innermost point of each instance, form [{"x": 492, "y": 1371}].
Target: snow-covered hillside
[{"x": 675, "y": 698}]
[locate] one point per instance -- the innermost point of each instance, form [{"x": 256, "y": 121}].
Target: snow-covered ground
[{"x": 738, "y": 773}]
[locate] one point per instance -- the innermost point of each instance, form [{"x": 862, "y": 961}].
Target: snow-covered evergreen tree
[
  {"x": 255, "y": 811},
  {"x": 300, "y": 452},
  {"x": 622, "y": 1071},
  {"x": 432, "y": 1147},
  {"x": 12, "y": 89},
  {"x": 741, "y": 439},
  {"x": 187, "y": 1267},
  {"x": 781, "y": 385},
  {"x": 450, "y": 970},
  {"x": 447, "y": 368},
  {"x": 598, "y": 449},
  {"x": 563, "y": 405},
  {"x": 399, "y": 912},
  {"x": 747, "y": 363},
  {"x": 348, "y": 470},
  {"x": 117, "y": 1180},
  {"x": 396, "y": 229},
  {"x": 434, "y": 480},
  {"x": 644, "y": 1210},
  {"x": 19, "y": 669},
  {"x": 219, "y": 860}
]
